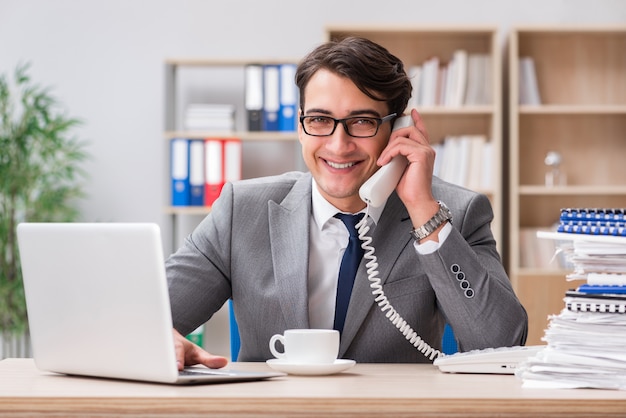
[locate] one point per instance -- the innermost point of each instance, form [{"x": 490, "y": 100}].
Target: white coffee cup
[{"x": 307, "y": 346}]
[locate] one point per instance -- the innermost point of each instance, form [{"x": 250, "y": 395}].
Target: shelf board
[
  {"x": 409, "y": 29},
  {"x": 187, "y": 210},
  {"x": 227, "y": 62},
  {"x": 243, "y": 135},
  {"x": 589, "y": 190},
  {"x": 551, "y": 273},
  {"x": 572, "y": 109},
  {"x": 456, "y": 111}
]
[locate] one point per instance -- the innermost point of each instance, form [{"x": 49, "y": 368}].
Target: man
[{"x": 274, "y": 246}]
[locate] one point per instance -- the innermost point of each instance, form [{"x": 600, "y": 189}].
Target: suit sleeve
[
  {"x": 472, "y": 288},
  {"x": 198, "y": 273}
]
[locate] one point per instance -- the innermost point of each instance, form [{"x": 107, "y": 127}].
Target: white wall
[{"x": 105, "y": 62}]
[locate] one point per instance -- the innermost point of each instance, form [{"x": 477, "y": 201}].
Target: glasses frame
[{"x": 379, "y": 121}]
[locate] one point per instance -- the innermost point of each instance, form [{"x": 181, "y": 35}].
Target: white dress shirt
[{"x": 328, "y": 241}]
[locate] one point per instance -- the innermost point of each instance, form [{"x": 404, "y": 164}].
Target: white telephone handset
[
  {"x": 378, "y": 187},
  {"x": 374, "y": 192}
]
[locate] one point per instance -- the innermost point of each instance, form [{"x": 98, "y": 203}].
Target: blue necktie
[{"x": 349, "y": 265}]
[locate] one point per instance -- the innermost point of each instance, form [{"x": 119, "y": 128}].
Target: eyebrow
[{"x": 358, "y": 112}]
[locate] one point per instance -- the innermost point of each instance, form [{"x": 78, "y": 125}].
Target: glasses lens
[
  {"x": 318, "y": 125},
  {"x": 362, "y": 127}
]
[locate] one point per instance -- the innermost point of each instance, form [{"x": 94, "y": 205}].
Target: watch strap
[{"x": 442, "y": 215}]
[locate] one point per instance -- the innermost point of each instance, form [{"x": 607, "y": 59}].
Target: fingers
[
  {"x": 179, "y": 348},
  {"x": 419, "y": 124},
  {"x": 407, "y": 141},
  {"x": 189, "y": 354}
]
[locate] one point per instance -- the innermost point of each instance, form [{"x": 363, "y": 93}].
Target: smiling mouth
[{"x": 340, "y": 165}]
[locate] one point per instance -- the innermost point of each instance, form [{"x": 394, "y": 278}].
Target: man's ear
[{"x": 299, "y": 125}]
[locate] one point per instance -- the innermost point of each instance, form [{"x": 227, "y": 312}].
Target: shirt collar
[{"x": 323, "y": 210}]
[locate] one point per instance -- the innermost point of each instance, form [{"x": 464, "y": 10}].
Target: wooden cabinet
[
  {"x": 581, "y": 79},
  {"x": 414, "y": 46}
]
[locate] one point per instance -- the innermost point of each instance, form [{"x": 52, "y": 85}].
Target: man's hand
[
  {"x": 415, "y": 187},
  {"x": 188, "y": 354}
]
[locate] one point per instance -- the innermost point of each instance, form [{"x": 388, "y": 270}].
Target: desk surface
[{"x": 398, "y": 390}]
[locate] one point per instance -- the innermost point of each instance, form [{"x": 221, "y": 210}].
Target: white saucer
[{"x": 310, "y": 369}]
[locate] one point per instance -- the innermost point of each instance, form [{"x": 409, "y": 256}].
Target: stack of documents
[
  {"x": 210, "y": 117},
  {"x": 584, "y": 350},
  {"x": 585, "y": 342}
]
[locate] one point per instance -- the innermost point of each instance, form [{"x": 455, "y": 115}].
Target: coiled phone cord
[{"x": 381, "y": 299}]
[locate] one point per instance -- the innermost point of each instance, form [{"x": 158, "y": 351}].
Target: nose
[{"x": 340, "y": 142}]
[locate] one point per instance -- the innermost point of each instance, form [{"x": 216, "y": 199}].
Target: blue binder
[
  {"x": 179, "y": 171},
  {"x": 196, "y": 172},
  {"x": 288, "y": 98},
  {"x": 271, "y": 97}
]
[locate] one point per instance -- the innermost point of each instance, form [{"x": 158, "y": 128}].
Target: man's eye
[
  {"x": 364, "y": 122},
  {"x": 321, "y": 120}
]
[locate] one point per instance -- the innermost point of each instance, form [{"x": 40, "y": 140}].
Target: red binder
[
  {"x": 223, "y": 160},
  {"x": 214, "y": 171}
]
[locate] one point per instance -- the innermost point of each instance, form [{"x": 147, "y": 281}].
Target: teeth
[{"x": 336, "y": 165}]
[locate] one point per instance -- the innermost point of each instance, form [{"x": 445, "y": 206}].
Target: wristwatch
[{"x": 442, "y": 215}]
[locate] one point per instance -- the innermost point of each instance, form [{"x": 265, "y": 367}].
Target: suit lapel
[
  {"x": 390, "y": 237},
  {"x": 289, "y": 224}
]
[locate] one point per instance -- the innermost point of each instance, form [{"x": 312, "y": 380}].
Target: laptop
[{"x": 98, "y": 304}]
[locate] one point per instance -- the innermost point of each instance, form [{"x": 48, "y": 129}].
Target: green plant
[{"x": 39, "y": 178}]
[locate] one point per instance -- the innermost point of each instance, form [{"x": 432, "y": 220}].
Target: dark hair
[{"x": 372, "y": 68}]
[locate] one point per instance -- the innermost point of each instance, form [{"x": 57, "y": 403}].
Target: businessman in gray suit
[{"x": 274, "y": 246}]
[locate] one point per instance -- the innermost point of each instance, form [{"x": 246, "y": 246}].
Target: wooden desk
[{"x": 381, "y": 390}]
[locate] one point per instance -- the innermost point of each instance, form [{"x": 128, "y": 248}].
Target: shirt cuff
[{"x": 431, "y": 246}]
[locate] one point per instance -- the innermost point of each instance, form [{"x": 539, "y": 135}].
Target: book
[
  {"x": 597, "y": 289},
  {"x": 450, "y": 158},
  {"x": 232, "y": 158},
  {"x": 415, "y": 75},
  {"x": 288, "y": 98},
  {"x": 487, "y": 168},
  {"x": 528, "y": 85},
  {"x": 253, "y": 92},
  {"x": 476, "y": 162},
  {"x": 223, "y": 163},
  {"x": 214, "y": 171},
  {"x": 479, "y": 89},
  {"x": 603, "y": 305},
  {"x": 271, "y": 97},
  {"x": 196, "y": 172},
  {"x": 476, "y": 78},
  {"x": 428, "y": 87},
  {"x": 179, "y": 171},
  {"x": 461, "y": 172},
  {"x": 593, "y": 221},
  {"x": 593, "y": 214},
  {"x": 457, "y": 79},
  {"x": 593, "y": 230}
]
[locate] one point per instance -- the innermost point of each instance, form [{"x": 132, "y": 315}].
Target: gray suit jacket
[{"x": 254, "y": 245}]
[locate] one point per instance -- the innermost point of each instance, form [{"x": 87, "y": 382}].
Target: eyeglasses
[{"x": 356, "y": 126}]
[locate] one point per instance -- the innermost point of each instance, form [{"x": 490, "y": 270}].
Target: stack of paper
[
  {"x": 585, "y": 342},
  {"x": 210, "y": 117},
  {"x": 584, "y": 350}
]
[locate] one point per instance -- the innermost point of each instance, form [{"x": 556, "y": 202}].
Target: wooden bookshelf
[
  {"x": 201, "y": 80},
  {"x": 581, "y": 76},
  {"x": 416, "y": 44}
]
